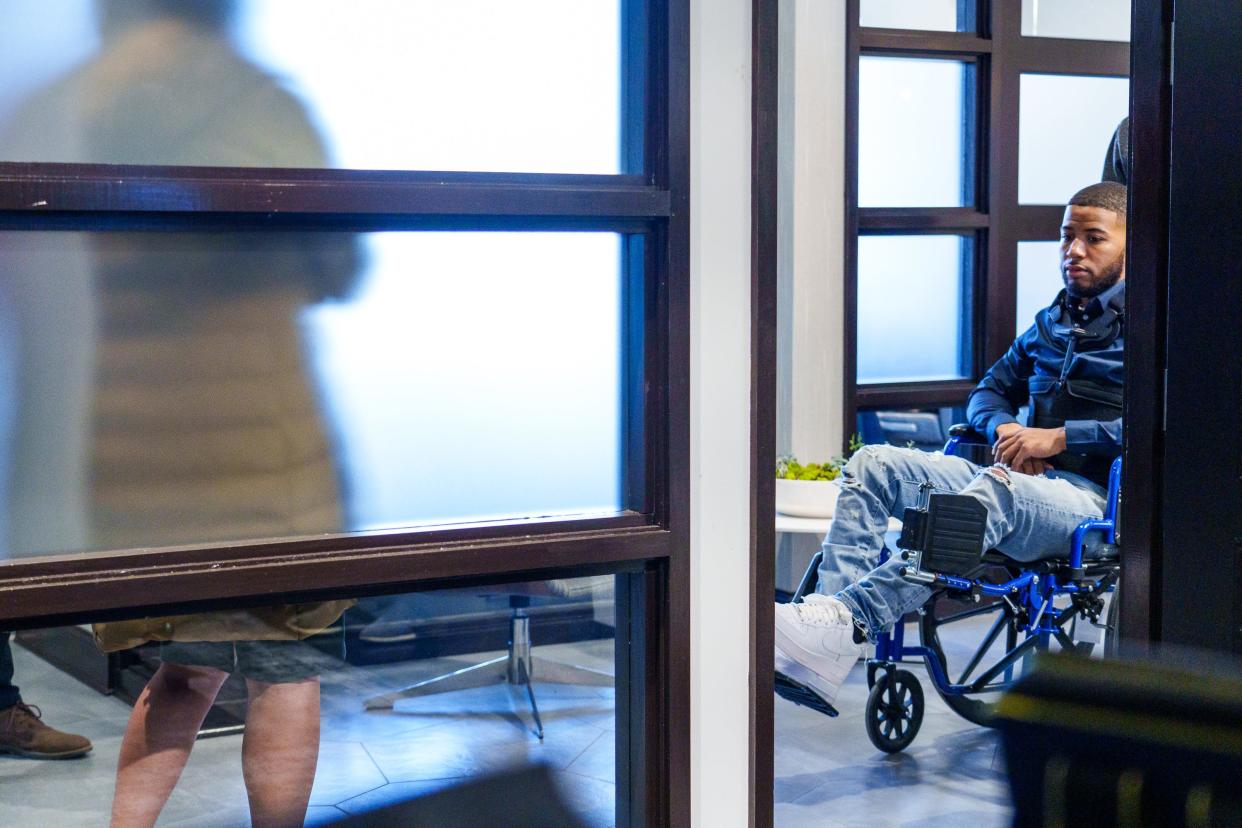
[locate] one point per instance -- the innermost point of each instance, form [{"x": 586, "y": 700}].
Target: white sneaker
[{"x": 815, "y": 643}]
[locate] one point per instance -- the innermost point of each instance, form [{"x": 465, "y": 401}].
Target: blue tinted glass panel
[
  {"x": 910, "y": 127},
  {"x": 930, "y": 15},
  {"x": 910, "y": 308},
  {"x": 476, "y": 85},
  {"x": 168, "y": 388},
  {"x": 1074, "y": 19},
  {"x": 1039, "y": 279},
  {"x": 1066, "y": 124}
]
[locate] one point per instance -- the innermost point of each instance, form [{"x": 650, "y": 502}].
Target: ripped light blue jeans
[{"x": 1029, "y": 518}]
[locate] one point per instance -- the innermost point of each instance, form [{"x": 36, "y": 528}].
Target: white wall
[
  {"x": 720, "y": 409},
  {"x": 811, "y": 227},
  {"x": 813, "y": 201},
  {"x": 811, "y": 240}
]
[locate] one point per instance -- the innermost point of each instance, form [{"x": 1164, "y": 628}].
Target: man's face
[{"x": 1093, "y": 250}]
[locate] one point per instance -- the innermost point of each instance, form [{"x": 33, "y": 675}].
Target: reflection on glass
[
  {"x": 1039, "y": 279},
  {"x": 1066, "y": 124},
  {"x": 1074, "y": 19},
  {"x": 372, "y": 84},
  {"x": 331, "y": 726},
  {"x": 910, "y": 308},
  {"x": 186, "y": 388},
  {"x": 910, "y": 124},
  {"x": 931, "y": 15}
]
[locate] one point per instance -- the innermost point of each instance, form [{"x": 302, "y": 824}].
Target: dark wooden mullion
[
  {"x": 293, "y": 176},
  {"x": 903, "y": 219},
  {"x": 923, "y": 43},
  {"x": 273, "y": 577},
  {"x": 1000, "y": 278},
  {"x": 1146, "y": 296},
  {"x": 669, "y": 737},
  {"x": 1036, "y": 222},
  {"x": 200, "y": 222},
  {"x": 1057, "y": 56},
  {"x": 765, "y": 100},
  {"x": 146, "y": 193},
  {"x": 89, "y": 564},
  {"x": 914, "y": 394}
]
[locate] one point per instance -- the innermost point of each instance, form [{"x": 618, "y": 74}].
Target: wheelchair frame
[{"x": 895, "y": 703}]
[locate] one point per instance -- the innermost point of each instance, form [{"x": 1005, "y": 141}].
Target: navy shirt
[{"x": 1005, "y": 387}]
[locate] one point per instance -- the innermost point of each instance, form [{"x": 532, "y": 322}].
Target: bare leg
[
  {"x": 158, "y": 739},
  {"x": 280, "y": 750}
]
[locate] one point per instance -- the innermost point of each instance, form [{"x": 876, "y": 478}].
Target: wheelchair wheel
[
  {"x": 894, "y": 710},
  {"x": 945, "y": 627}
]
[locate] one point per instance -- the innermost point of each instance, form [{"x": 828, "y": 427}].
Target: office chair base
[{"x": 518, "y": 667}]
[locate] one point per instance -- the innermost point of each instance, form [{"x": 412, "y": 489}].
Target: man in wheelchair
[{"x": 1044, "y": 479}]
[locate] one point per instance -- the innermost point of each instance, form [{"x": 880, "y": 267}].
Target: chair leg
[
  {"x": 518, "y": 667},
  {"x": 524, "y": 677},
  {"x": 492, "y": 671},
  {"x": 555, "y": 672}
]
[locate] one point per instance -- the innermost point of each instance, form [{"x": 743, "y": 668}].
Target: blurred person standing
[{"x": 202, "y": 422}]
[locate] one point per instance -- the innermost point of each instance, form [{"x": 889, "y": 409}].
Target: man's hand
[{"x": 1024, "y": 449}]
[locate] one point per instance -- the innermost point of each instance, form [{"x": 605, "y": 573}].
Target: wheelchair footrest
[
  {"x": 798, "y": 693},
  {"x": 947, "y": 534}
]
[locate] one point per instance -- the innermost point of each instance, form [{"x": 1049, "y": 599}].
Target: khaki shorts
[{"x": 274, "y": 662}]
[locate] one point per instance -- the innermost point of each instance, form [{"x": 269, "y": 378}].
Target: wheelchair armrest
[
  {"x": 966, "y": 434},
  {"x": 962, "y": 436}
]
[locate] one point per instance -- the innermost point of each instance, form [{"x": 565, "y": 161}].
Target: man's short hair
[{"x": 1107, "y": 195}]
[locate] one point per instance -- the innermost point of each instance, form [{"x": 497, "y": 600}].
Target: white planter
[{"x": 806, "y": 498}]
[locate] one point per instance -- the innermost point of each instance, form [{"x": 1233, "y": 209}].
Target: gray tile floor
[
  {"x": 366, "y": 759},
  {"x": 827, "y": 772}
]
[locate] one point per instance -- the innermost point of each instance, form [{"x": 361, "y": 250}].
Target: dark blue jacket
[{"x": 1068, "y": 367}]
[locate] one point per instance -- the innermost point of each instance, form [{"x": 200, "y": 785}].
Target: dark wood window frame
[
  {"x": 995, "y": 45},
  {"x": 648, "y": 544}
]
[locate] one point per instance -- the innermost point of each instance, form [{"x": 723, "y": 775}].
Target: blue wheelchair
[{"x": 1026, "y": 608}]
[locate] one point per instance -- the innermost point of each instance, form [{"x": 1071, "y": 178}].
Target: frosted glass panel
[
  {"x": 910, "y": 307},
  {"x": 483, "y": 85},
  {"x": 170, "y": 388},
  {"x": 1039, "y": 279},
  {"x": 1066, "y": 125},
  {"x": 1078, "y": 20},
  {"x": 931, "y": 15},
  {"x": 910, "y": 123}
]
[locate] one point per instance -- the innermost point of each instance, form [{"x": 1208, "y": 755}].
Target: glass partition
[
  {"x": 1096, "y": 20},
  {"x": 910, "y": 299},
  {"x": 931, "y": 15},
  {"x": 1039, "y": 279},
  {"x": 911, "y": 122},
  {"x": 323, "y": 711},
  {"x": 176, "y": 388},
  {"x": 1065, "y": 124},
  {"x": 392, "y": 84}
]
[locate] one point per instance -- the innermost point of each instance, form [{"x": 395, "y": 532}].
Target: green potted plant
[{"x": 811, "y": 489}]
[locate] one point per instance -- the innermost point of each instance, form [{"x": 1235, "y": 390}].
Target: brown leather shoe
[{"x": 22, "y": 733}]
